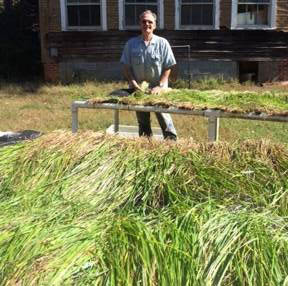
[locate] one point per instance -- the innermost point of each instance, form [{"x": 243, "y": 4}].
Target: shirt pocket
[
  {"x": 155, "y": 59},
  {"x": 136, "y": 58}
]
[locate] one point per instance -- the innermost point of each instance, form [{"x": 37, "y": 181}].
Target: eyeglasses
[{"x": 147, "y": 21}]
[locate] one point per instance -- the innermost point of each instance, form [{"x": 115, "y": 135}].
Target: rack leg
[
  {"x": 116, "y": 120},
  {"x": 213, "y": 128},
  {"x": 74, "y": 119}
]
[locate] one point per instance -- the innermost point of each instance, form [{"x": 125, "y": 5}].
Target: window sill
[
  {"x": 135, "y": 28},
  {"x": 254, "y": 27},
  {"x": 197, "y": 28},
  {"x": 84, "y": 28}
]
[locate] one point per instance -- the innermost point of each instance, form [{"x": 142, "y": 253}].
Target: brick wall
[
  {"x": 169, "y": 15},
  {"x": 112, "y": 15},
  {"x": 282, "y": 15},
  {"x": 43, "y": 22},
  {"x": 51, "y": 72},
  {"x": 283, "y": 70},
  {"x": 50, "y": 21},
  {"x": 54, "y": 19},
  {"x": 225, "y": 13}
]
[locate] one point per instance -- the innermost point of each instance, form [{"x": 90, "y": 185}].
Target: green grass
[
  {"x": 93, "y": 210},
  {"x": 240, "y": 101},
  {"x": 46, "y": 108}
]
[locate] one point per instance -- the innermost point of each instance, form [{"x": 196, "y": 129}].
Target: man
[{"x": 149, "y": 58}]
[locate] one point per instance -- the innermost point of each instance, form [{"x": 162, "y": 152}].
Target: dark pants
[{"x": 165, "y": 122}]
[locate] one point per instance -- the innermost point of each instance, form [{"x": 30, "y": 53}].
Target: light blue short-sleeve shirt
[{"x": 148, "y": 62}]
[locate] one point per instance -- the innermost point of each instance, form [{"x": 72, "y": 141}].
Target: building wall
[
  {"x": 81, "y": 69},
  {"x": 50, "y": 21}
]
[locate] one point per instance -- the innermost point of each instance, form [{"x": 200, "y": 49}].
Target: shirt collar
[{"x": 152, "y": 42}]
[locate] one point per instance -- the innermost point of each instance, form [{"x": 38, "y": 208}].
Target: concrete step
[{"x": 132, "y": 131}]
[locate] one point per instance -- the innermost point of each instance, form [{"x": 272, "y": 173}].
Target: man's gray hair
[{"x": 148, "y": 12}]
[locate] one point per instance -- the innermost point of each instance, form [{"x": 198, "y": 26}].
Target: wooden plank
[{"x": 232, "y": 45}]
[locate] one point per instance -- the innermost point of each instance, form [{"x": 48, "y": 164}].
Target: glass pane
[
  {"x": 262, "y": 15},
  {"x": 247, "y": 14},
  {"x": 185, "y": 15},
  {"x": 252, "y": 14},
  {"x": 242, "y": 14},
  {"x": 207, "y": 15},
  {"x": 132, "y": 13},
  {"x": 95, "y": 15},
  {"x": 197, "y": 15},
  {"x": 72, "y": 15},
  {"x": 84, "y": 15}
]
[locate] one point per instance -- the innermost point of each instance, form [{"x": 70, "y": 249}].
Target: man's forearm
[
  {"x": 163, "y": 82},
  {"x": 130, "y": 78},
  {"x": 165, "y": 77},
  {"x": 127, "y": 73}
]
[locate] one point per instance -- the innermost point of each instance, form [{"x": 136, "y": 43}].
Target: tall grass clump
[{"x": 89, "y": 209}]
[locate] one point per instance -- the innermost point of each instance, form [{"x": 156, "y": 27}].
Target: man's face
[{"x": 147, "y": 24}]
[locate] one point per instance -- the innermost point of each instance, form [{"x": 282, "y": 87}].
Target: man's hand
[
  {"x": 128, "y": 75},
  {"x": 133, "y": 84},
  {"x": 157, "y": 90}
]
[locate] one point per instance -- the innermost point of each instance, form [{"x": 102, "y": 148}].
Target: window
[
  {"x": 130, "y": 10},
  {"x": 83, "y": 14},
  {"x": 253, "y": 13},
  {"x": 197, "y": 14}
]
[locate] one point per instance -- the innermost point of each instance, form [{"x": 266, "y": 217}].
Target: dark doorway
[{"x": 248, "y": 71}]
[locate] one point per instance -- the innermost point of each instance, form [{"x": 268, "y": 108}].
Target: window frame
[
  {"x": 271, "y": 17},
  {"x": 123, "y": 26},
  {"x": 214, "y": 26},
  {"x": 64, "y": 18}
]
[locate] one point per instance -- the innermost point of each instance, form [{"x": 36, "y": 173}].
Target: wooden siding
[{"x": 230, "y": 45}]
